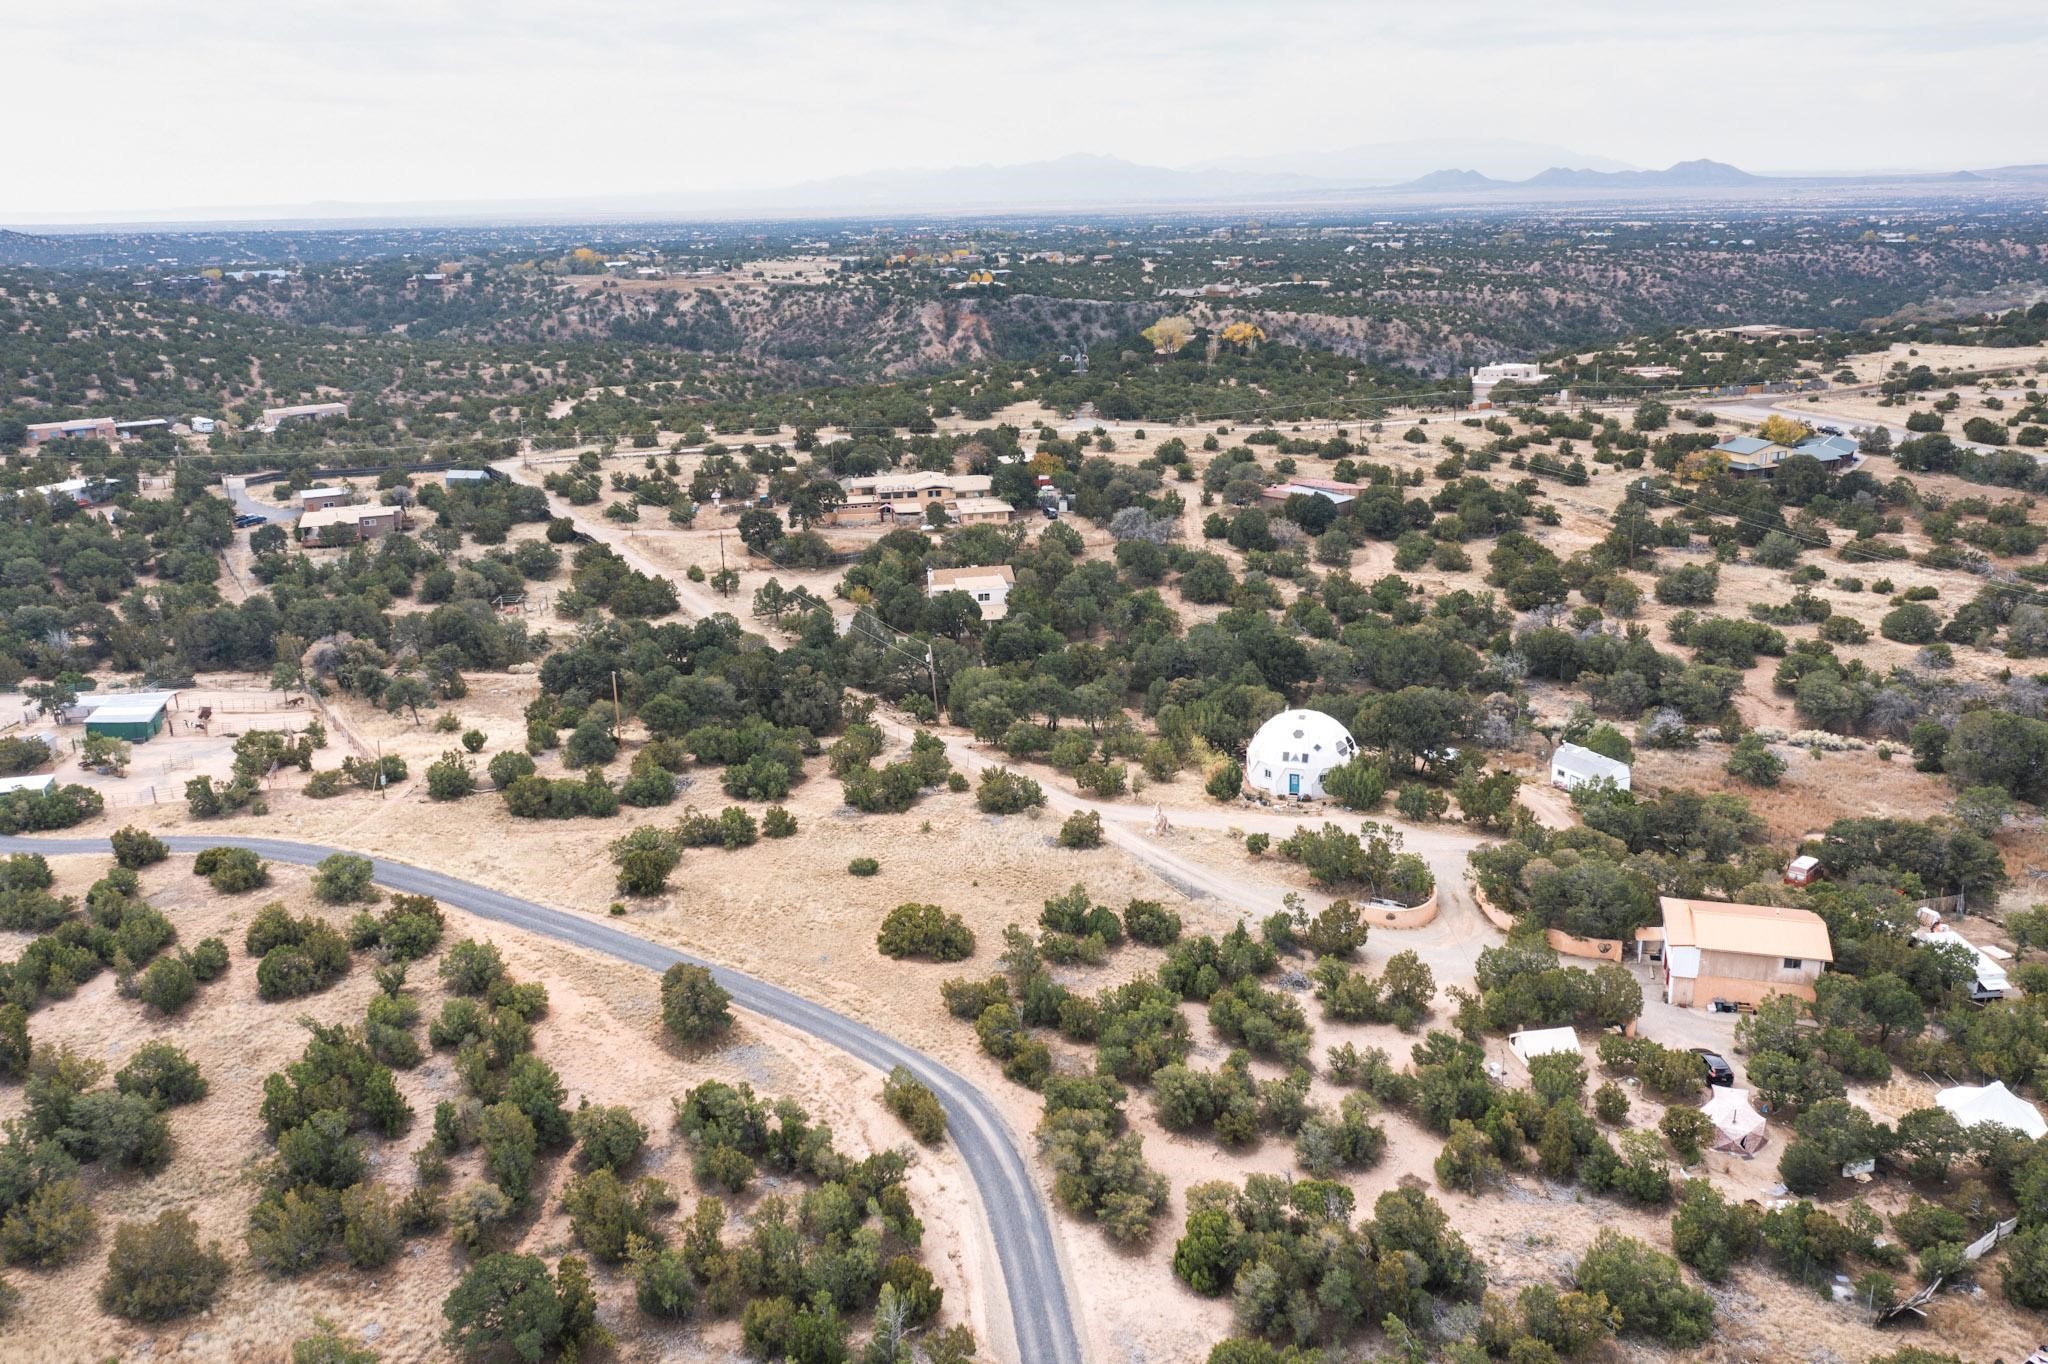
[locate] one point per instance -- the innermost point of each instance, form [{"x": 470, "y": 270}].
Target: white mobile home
[{"x": 1572, "y": 766}]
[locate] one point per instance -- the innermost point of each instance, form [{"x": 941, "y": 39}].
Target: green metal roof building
[{"x": 136, "y": 721}]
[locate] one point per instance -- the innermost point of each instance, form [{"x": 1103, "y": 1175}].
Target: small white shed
[
  {"x": 36, "y": 782},
  {"x": 1572, "y": 766},
  {"x": 1535, "y": 1042}
]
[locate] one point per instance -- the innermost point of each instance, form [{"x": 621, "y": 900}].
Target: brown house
[
  {"x": 348, "y": 525},
  {"x": 1740, "y": 954}
]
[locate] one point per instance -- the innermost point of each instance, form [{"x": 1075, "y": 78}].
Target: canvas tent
[
  {"x": 1975, "y": 1104},
  {"x": 1737, "y": 1126},
  {"x": 1543, "y": 1042}
]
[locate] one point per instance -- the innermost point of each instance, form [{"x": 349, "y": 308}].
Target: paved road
[
  {"x": 1041, "y": 1316},
  {"x": 247, "y": 505}
]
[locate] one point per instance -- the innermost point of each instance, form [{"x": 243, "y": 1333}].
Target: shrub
[
  {"x": 607, "y": 1137},
  {"x": 914, "y": 930},
  {"x": 1151, "y": 923},
  {"x": 1647, "y": 1289},
  {"x": 208, "y": 959},
  {"x": 777, "y": 823},
  {"x": 909, "y": 1099},
  {"x": 664, "y": 1286},
  {"x": 1687, "y": 1129},
  {"x": 1467, "y": 1161},
  {"x": 369, "y": 1225},
  {"x": 1226, "y": 782},
  {"x": 345, "y": 879},
  {"x": 1357, "y": 784},
  {"x": 231, "y": 870},
  {"x": 505, "y": 1304},
  {"x": 693, "y": 1005},
  {"x": 645, "y": 857},
  {"x": 158, "y": 1271},
  {"x": 300, "y": 956},
  {"x": 508, "y": 767},
  {"x": 161, "y": 1074},
  {"x": 166, "y": 985},
  {"x": 1003, "y": 792},
  {"x": 1610, "y": 1104},
  {"x": 608, "y": 1215},
  {"x": 471, "y": 967},
  {"x": 1082, "y": 829},
  {"x": 863, "y": 866},
  {"x": 451, "y": 777},
  {"x": 47, "y": 1227},
  {"x": 135, "y": 848}
]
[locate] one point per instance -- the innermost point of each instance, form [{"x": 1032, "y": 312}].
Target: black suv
[{"x": 1719, "y": 1072}]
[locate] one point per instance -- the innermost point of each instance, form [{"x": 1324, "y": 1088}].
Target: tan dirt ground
[{"x": 601, "y": 1032}]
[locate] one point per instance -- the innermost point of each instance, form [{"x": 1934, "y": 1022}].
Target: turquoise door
[{"x": 1294, "y": 783}]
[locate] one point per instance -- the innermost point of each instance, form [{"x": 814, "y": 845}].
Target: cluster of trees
[
  {"x": 117, "y": 929},
  {"x": 1299, "y": 1269}
]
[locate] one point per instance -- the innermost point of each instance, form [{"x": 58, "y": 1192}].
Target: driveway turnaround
[{"x": 1042, "y": 1319}]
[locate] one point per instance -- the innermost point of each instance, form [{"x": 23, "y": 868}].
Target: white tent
[
  {"x": 1543, "y": 1042},
  {"x": 1737, "y": 1126},
  {"x": 1975, "y": 1104}
]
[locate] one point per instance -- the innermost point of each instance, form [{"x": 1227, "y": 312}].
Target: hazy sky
[{"x": 142, "y": 104}]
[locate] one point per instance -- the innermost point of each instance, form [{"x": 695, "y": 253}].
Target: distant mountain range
[
  {"x": 1701, "y": 174},
  {"x": 1390, "y": 163},
  {"x": 1489, "y": 171}
]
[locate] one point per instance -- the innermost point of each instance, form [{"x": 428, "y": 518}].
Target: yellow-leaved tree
[
  {"x": 1246, "y": 334},
  {"x": 1780, "y": 429},
  {"x": 1169, "y": 334}
]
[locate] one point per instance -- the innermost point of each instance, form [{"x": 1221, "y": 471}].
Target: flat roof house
[
  {"x": 980, "y": 511},
  {"x": 1572, "y": 766},
  {"x": 274, "y": 417},
  {"x": 324, "y": 495},
  {"x": 348, "y": 525},
  {"x": 83, "y": 428},
  {"x": 1738, "y": 954},
  {"x": 988, "y": 584}
]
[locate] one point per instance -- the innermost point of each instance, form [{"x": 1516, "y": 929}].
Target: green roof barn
[{"x": 136, "y": 721}]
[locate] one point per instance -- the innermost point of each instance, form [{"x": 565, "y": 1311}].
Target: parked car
[
  {"x": 248, "y": 519},
  {"x": 1719, "y": 1072}
]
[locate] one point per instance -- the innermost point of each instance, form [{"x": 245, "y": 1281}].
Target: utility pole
[{"x": 615, "y": 705}]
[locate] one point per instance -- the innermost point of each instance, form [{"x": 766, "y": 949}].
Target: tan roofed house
[
  {"x": 988, "y": 584},
  {"x": 976, "y": 511},
  {"x": 1740, "y": 954},
  {"x": 367, "y": 522}
]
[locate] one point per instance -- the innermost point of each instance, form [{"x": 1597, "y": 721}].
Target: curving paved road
[{"x": 1040, "y": 1314}]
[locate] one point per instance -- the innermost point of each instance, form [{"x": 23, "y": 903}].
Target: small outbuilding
[
  {"x": 1802, "y": 870},
  {"x": 1975, "y": 1105},
  {"x": 1290, "y": 754},
  {"x": 1534, "y": 1042},
  {"x": 36, "y": 782},
  {"x": 1573, "y": 766},
  {"x": 1738, "y": 1126}
]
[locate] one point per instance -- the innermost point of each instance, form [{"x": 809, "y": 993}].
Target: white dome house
[{"x": 1292, "y": 751}]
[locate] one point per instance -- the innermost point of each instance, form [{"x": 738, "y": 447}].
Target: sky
[{"x": 120, "y": 106}]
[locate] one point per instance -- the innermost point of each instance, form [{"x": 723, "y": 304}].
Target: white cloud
[{"x": 137, "y": 103}]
